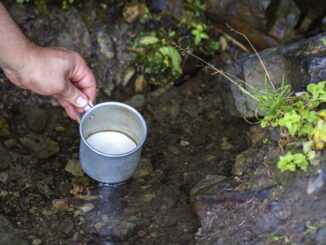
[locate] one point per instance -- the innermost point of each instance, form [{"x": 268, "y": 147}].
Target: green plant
[
  {"x": 197, "y": 4},
  {"x": 157, "y": 57},
  {"x": 277, "y": 238},
  {"x": 65, "y": 3},
  {"x": 324, "y": 41},
  {"x": 292, "y": 161},
  {"x": 199, "y": 32},
  {"x": 310, "y": 228}
]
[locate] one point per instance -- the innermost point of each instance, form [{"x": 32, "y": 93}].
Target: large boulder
[{"x": 298, "y": 64}]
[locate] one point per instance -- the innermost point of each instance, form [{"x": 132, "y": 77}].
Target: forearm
[{"x": 14, "y": 46}]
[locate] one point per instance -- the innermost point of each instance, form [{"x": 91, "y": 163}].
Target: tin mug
[{"x": 112, "y": 136}]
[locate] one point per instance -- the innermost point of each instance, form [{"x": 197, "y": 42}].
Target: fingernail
[{"x": 81, "y": 101}]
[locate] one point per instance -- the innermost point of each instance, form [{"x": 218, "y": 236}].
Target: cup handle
[{"x": 86, "y": 108}]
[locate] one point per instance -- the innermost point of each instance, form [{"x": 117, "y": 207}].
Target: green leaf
[
  {"x": 305, "y": 130},
  {"x": 290, "y": 162},
  {"x": 324, "y": 41},
  {"x": 174, "y": 56},
  {"x": 148, "y": 40}
]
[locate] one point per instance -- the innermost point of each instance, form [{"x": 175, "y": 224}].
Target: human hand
[{"x": 58, "y": 72}]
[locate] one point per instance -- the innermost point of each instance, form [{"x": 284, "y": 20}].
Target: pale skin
[{"x": 52, "y": 71}]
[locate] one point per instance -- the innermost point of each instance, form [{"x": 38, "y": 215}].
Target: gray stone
[
  {"x": 137, "y": 101},
  {"x": 298, "y": 64},
  {"x": 321, "y": 235}
]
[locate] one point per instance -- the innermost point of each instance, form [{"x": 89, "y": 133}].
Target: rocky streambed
[{"x": 206, "y": 176}]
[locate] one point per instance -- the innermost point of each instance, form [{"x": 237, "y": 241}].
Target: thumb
[{"x": 74, "y": 96}]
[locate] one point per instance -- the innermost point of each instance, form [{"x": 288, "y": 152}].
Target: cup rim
[{"x": 142, "y": 141}]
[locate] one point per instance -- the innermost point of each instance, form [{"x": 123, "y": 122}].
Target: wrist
[{"x": 22, "y": 58}]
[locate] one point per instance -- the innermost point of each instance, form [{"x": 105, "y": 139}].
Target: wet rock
[
  {"x": 144, "y": 170},
  {"x": 5, "y": 158},
  {"x": 74, "y": 168},
  {"x": 140, "y": 84},
  {"x": 243, "y": 162},
  {"x": 36, "y": 117},
  {"x": 174, "y": 7},
  {"x": 40, "y": 146},
  {"x": 297, "y": 64},
  {"x": 8, "y": 234},
  {"x": 4, "y": 127},
  {"x": 137, "y": 101},
  {"x": 208, "y": 181},
  {"x": 132, "y": 11}
]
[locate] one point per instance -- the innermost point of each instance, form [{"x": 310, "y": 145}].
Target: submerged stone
[{"x": 40, "y": 146}]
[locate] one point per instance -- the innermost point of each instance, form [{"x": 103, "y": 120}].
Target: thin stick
[{"x": 261, "y": 61}]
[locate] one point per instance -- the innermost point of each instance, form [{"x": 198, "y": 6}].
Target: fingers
[
  {"x": 83, "y": 78},
  {"x": 73, "y": 95},
  {"x": 70, "y": 109}
]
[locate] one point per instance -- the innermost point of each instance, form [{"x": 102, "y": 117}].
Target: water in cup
[{"x": 111, "y": 142}]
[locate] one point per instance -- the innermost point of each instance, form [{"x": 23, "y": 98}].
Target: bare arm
[{"x": 48, "y": 71}]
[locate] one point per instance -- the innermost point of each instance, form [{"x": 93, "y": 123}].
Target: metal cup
[{"x": 107, "y": 130}]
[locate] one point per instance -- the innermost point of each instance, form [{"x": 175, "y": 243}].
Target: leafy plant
[
  {"x": 199, "y": 32},
  {"x": 277, "y": 238},
  {"x": 292, "y": 161},
  {"x": 324, "y": 41}
]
